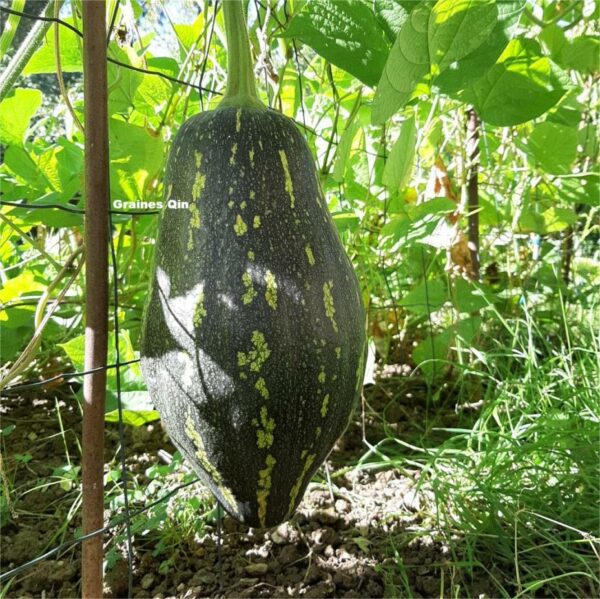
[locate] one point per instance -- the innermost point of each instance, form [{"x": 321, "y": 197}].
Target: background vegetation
[{"x": 381, "y": 89}]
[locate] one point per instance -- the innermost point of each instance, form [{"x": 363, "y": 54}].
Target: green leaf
[
  {"x": 469, "y": 297},
  {"x": 558, "y": 219},
  {"x": 457, "y": 28},
  {"x": 407, "y": 64},
  {"x": 343, "y": 151},
  {"x": 16, "y": 111},
  {"x": 345, "y": 33},
  {"x": 522, "y": 85},
  {"x": 44, "y": 59},
  {"x": 476, "y": 64},
  {"x": 136, "y": 157},
  {"x": 390, "y": 15},
  {"x": 345, "y": 221},
  {"x": 427, "y": 297},
  {"x": 553, "y": 146},
  {"x": 581, "y": 54},
  {"x": 400, "y": 162}
]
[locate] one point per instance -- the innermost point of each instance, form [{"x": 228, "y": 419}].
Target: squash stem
[{"x": 241, "y": 86}]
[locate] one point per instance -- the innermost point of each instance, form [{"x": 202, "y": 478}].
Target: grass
[{"x": 515, "y": 497}]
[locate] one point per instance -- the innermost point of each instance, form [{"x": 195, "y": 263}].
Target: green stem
[{"x": 241, "y": 86}]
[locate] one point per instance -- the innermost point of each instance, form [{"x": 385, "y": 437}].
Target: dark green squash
[{"x": 253, "y": 337}]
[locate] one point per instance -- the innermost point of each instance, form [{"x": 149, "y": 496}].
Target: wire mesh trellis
[{"x": 126, "y": 517}]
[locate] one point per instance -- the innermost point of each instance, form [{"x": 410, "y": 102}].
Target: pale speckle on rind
[
  {"x": 257, "y": 356},
  {"x": 265, "y": 428},
  {"x": 198, "y": 156},
  {"x": 195, "y": 218},
  {"x": 289, "y": 186},
  {"x": 233, "y": 152},
  {"x": 322, "y": 376},
  {"x": 308, "y": 460},
  {"x": 264, "y": 488},
  {"x": 240, "y": 227},
  {"x": 309, "y": 255},
  {"x": 256, "y": 222},
  {"x": 328, "y": 303},
  {"x": 195, "y": 437},
  {"x": 198, "y": 186},
  {"x": 252, "y": 195},
  {"x": 250, "y": 293},
  {"x": 324, "y": 406},
  {"x": 271, "y": 292},
  {"x": 230, "y": 204},
  {"x": 238, "y": 120},
  {"x": 251, "y": 156},
  {"x": 251, "y": 255},
  {"x": 243, "y": 205},
  {"x": 199, "y": 310},
  {"x": 318, "y": 432},
  {"x": 261, "y": 387}
]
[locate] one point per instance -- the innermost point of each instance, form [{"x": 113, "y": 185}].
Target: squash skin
[{"x": 253, "y": 338}]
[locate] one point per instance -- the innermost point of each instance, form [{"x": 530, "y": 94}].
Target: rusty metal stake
[
  {"x": 96, "y": 287},
  {"x": 473, "y": 188}
]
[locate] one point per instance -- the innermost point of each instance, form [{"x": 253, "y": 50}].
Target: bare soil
[{"x": 348, "y": 538}]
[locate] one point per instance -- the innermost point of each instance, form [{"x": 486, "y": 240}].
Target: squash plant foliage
[{"x": 379, "y": 89}]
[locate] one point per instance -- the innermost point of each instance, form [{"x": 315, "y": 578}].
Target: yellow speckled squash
[{"x": 253, "y": 337}]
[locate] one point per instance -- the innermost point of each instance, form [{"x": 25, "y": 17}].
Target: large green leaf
[
  {"x": 399, "y": 165},
  {"x": 136, "y": 156},
  {"x": 407, "y": 64},
  {"x": 457, "y": 27},
  {"x": 522, "y": 85},
  {"x": 345, "y": 33},
  {"x": 553, "y": 146},
  {"x": 16, "y": 111},
  {"x": 427, "y": 297},
  {"x": 44, "y": 59},
  {"x": 471, "y": 67},
  {"x": 390, "y": 16}
]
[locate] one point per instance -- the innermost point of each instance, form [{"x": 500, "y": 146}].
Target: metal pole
[
  {"x": 473, "y": 188},
  {"x": 96, "y": 285}
]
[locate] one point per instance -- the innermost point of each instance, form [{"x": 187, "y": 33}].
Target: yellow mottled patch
[
  {"x": 257, "y": 356},
  {"x": 198, "y": 186},
  {"x": 195, "y": 218},
  {"x": 252, "y": 195},
  {"x": 233, "y": 153},
  {"x": 238, "y": 119},
  {"x": 266, "y": 426},
  {"x": 195, "y": 437},
  {"x": 251, "y": 156},
  {"x": 318, "y": 432},
  {"x": 243, "y": 205},
  {"x": 230, "y": 204},
  {"x": 309, "y": 255},
  {"x": 230, "y": 190},
  {"x": 328, "y": 302},
  {"x": 256, "y": 222},
  {"x": 324, "y": 406},
  {"x": 260, "y": 144},
  {"x": 251, "y": 255},
  {"x": 271, "y": 292},
  {"x": 308, "y": 460},
  {"x": 289, "y": 186},
  {"x": 240, "y": 227},
  {"x": 198, "y": 156},
  {"x": 264, "y": 487},
  {"x": 250, "y": 293},
  {"x": 261, "y": 387},
  {"x": 199, "y": 310},
  {"x": 322, "y": 375},
  {"x": 338, "y": 352}
]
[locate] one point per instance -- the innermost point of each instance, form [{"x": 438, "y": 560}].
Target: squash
[{"x": 253, "y": 336}]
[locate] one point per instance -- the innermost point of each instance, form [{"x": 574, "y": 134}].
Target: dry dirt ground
[{"x": 365, "y": 533}]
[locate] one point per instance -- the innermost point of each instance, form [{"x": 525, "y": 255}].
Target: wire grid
[{"x": 126, "y": 517}]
